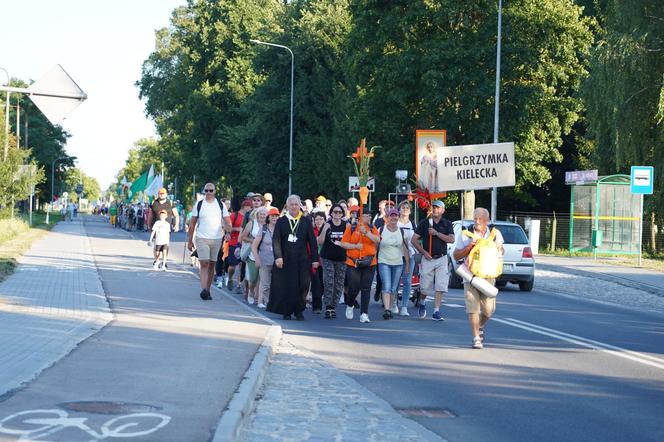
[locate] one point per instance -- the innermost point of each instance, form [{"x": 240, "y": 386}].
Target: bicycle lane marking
[
  {"x": 584, "y": 342},
  {"x": 61, "y": 421}
]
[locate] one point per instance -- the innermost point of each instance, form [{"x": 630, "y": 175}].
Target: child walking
[{"x": 161, "y": 233}]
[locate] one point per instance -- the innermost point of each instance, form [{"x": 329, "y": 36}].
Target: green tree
[
  {"x": 317, "y": 32},
  {"x": 625, "y": 91},
  {"x": 75, "y": 176},
  {"x": 196, "y": 79},
  {"x": 45, "y": 141},
  {"x": 431, "y": 64}
]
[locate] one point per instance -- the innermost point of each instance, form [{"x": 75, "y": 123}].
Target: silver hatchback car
[{"x": 518, "y": 261}]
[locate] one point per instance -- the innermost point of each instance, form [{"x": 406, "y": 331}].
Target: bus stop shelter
[{"x": 604, "y": 217}]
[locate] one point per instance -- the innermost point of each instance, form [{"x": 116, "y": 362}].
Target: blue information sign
[{"x": 642, "y": 178}]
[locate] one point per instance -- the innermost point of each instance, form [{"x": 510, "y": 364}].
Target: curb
[{"x": 242, "y": 402}]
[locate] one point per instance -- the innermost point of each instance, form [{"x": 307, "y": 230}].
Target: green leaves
[
  {"x": 363, "y": 68},
  {"x": 625, "y": 90}
]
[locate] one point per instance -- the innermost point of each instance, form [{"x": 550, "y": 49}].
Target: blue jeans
[
  {"x": 407, "y": 281},
  {"x": 390, "y": 275}
]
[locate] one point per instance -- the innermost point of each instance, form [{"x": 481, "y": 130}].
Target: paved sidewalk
[
  {"x": 166, "y": 366},
  {"x": 50, "y": 304},
  {"x": 631, "y": 277},
  {"x": 307, "y": 399}
]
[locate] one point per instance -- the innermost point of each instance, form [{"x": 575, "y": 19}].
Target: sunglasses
[
  {"x": 209, "y": 190},
  {"x": 337, "y": 211}
]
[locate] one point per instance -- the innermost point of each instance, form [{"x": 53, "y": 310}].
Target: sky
[{"x": 102, "y": 46}]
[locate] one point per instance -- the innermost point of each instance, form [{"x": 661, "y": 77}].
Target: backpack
[
  {"x": 484, "y": 260},
  {"x": 200, "y": 204},
  {"x": 262, "y": 236}
]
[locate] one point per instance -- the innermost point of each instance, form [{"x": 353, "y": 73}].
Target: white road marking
[
  {"x": 584, "y": 342},
  {"x": 54, "y": 420}
]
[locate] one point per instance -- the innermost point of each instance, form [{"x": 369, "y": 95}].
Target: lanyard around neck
[{"x": 293, "y": 223}]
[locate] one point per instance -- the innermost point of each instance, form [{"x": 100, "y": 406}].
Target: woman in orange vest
[{"x": 361, "y": 243}]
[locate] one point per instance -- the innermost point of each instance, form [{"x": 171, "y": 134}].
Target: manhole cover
[
  {"x": 103, "y": 407},
  {"x": 433, "y": 413}
]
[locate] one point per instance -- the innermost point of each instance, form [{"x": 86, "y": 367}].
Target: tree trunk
[{"x": 468, "y": 204}]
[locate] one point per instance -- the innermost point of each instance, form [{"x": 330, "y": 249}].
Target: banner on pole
[{"x": 476, "y": 166}]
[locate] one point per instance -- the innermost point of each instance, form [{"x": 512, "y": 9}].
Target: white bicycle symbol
[{"x": 33, "y": 425}]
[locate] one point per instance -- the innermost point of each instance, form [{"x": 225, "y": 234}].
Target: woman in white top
[
  {"x": 392, "y": 254},
  {"x": 407, "y": 228},
  {"x": 251, "y": 231}
]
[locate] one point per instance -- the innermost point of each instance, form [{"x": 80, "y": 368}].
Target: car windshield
[{"x": 513, "y": 234}]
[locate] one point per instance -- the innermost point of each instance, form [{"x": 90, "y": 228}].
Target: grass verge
[{"x": 16, "y": 237}]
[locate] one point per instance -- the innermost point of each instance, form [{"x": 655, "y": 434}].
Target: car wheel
[
  {"x": 455, "y": 280},
  {"x": 527, "y": 286}
]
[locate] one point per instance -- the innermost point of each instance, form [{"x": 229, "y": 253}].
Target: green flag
[{"x": 139, "y": 184}]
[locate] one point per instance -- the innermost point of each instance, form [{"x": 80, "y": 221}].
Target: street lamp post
[
  {"x": 48, "y": 211},
  {"x": 6, "y": 116},
  {"x": 290, "y": 147},
  {"x": 496, "y": 109}
]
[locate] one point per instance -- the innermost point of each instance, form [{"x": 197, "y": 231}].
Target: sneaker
[
  {"x": 437, "y": 316},
  {"x": 404, "y": 312},
  {"x": 422, "y": 310},
  {"x": 219, "y": 284},
  {"x": 477, "y": 342},
  {"x": 250, "y": 300},
  {"x": 482, "y": 334},
  {"x": 394, "y": 309},
  {"x": 155, "y": 265},
  {"x": 165, "y": 266},
  {"x": 261, "y": 306},
  {"x": 364, "y": 318},
  {"x": 334, "y": 314},
  {"x": 349, "y": 312},
  {"x": 328, "y": 314},
  {"x": 229, "y": 285},
  {"x": 387, "y": 314}
]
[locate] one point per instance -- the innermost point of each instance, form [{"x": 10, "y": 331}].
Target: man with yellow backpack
[{"x": 467, "y": 245}]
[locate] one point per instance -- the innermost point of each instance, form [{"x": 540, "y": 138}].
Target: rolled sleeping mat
[{"x": 480, "y": 284}]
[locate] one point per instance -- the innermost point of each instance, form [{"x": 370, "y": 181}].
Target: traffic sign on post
[
  {"x": 642, "y": 178},
  {"x": 354, "y": 184}
]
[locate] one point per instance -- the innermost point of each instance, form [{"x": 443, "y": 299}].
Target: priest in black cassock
[{"x": 295, "y": 253}]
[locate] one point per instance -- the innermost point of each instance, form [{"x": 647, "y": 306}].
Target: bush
[{"x": 11, "y": 228}]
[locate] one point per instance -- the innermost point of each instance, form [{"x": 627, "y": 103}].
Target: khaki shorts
[
  {"x": 434, "y": 276},
  {"x": 476, "y": 300},
  {"x": 208, "y": 249}
]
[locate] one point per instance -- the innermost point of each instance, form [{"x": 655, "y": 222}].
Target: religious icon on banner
[{"x": 427, "y": 165}]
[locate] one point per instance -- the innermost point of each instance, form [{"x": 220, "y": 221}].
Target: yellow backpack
[{"x": 485, "y": 259}]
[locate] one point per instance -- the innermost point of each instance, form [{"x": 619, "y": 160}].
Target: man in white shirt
[{"x": 209, "y": 218}]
